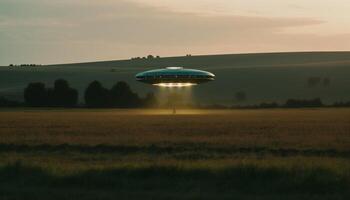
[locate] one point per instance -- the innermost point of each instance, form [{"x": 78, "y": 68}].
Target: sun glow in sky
[
  {"x": 333, "y": 13},
  {"x": 46, "y": 31}
]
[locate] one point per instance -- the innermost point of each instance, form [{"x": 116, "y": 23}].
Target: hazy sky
[{"x": 61, "y": 31}]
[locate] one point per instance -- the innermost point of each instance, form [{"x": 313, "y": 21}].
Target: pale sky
[{"x": 64, "y": 31}]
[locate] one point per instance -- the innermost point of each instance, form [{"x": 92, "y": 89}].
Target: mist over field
[{"x": 268, "y": 77}]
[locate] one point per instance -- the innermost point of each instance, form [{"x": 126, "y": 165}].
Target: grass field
[{"x": 196, "y": 154}]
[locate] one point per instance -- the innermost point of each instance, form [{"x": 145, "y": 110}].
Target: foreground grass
[
  {"x": 166, "y": 182},
  {"x": 138, "y": 154}
]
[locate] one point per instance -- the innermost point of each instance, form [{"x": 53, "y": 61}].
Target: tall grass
[{"x": 159, "y": 182}]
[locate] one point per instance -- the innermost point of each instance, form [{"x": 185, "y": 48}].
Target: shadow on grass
[{"x": 243, "y": 182}]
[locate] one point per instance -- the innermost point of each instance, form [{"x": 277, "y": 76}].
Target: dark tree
[
  {"x": 4, "y": 102},
  {"x": 63, "y": 94},
  {"x": 51, "y": 97},
  {"x": 123, "y": 97},
  {"x": 35, "y": 94},
  {"x": 268, "y": 105},
  {"x": 96, "y": 95},
  {"x": 73, "y": 97},
  {"x": 59, "y": 92},
  {"x": 342, "y": 104},
  {"x": 297, "y": 103},
  {"x": 150, "y": 57}
]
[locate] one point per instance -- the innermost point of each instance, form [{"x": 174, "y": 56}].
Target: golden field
[
  {"x": 312, "y": 128},
  {"x": 289, "y": 153}
]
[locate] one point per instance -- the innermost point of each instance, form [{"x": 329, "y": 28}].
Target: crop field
[{"x": 195, "y": 154}]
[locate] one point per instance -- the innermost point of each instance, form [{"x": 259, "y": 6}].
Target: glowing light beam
[{"x": 175, "y": 85}]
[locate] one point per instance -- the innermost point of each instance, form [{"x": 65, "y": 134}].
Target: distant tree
[
  {"x": 62, "y": 94},
  {"x": 240, "y": 96},
  {"x": 150, "y": 57},
  {"x": 135, "y": 58},
  {"x": 35, "y": 94},
  {"x": 73, "y": 97},
  {"x": 342, "y": 104},
  {"x": 51, "y": 97},
  {"x": 123, "y": 97},
  {"x": 4, "y": 102},
  {"x": 96, "y": 95},
  {"x": 297, "y": 103},
  {"x": 157, "y": 57},
  {"x": 150, "y": 100},
  {"x": 269, "y": 105}
]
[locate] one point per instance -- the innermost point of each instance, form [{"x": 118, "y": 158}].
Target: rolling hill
[{"x": 263, "y": 77}]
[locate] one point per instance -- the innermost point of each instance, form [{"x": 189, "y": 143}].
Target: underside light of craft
[{"x": 175, "y": 77}]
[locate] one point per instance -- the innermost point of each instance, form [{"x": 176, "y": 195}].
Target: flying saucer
[{"x": 175, "y": 77}]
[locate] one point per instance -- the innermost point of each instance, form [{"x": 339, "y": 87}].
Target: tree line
[
  {"x": 25, "y": 65},
  {"x": 120, "y": 95},
  {"x": 292, "y": 103},
  {"x": 36, "y": 94},
  {"x": 96, "y": 96}
]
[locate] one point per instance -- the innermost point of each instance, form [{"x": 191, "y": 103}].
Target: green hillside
[{"x": 263, "y": 77}]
